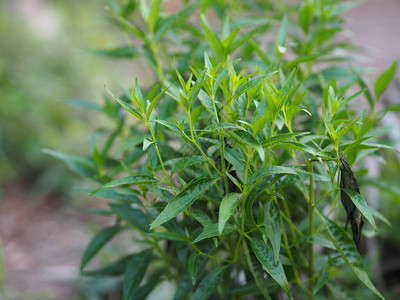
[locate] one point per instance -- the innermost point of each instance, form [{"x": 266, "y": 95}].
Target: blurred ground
[
  {"x": 43, "y": 239},
  {"x": 42, "y": 243}
]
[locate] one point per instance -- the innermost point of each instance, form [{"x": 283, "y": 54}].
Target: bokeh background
[{"x": 46, "y": 70}]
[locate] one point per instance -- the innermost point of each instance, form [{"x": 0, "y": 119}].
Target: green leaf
[
  {"x": 345, "y": 245},
  {"x": 201, "y": 217},
  {"x": 111, "y": 194},
  {"x": 384, "y": 80},
  {"x": 146, "y": 143},
  {"x": 257, "y": 271},
  {"x": 322, "y": 280},
  {"x": 281, "y": 137},
  {"x": 119, "y": 52},
  {"x": 154, "y": 14},
  {"x": 80, "y": 165},
  {"x": 192, "y": 267},
  {"x": 226, "y": 209},
  {"x": 172, "y": 127},
  {"x": 144, "y": 290},
  {"x": 114, "y": 269},
  {"x": 166, "y": 23},
  {"x": 295, "y": 62},
  {"x": 272, "y": 223},
  {"x": 247, "y": 139},
  {"x": 318, "y": 241},
  {"x": 265, "y": 256},
  {"x": 131, "y": 142},
  {"x": 212, "y": 38},
  {"x": 297, "y": 146},
  {"x": 171, "y": 236},
  {"x": 133, "y": 216},
  {"x": 243, "y": 39},
  {"x": 354, "y": 145},
  {"x": 343, "y": 131},
  {"x": 97, "y": 242},
  {"x": 251, "y": 83},
  {"x": 362, "y": 206},
  {"x": 214, "y": 128},
  {"x": 183, "y": 287},
  {"x": 195, "y": 90},
  {"x": 134, "y": 273},
  {"x": 209, "y": 284},
  {"x": 183, "y": 200},
  {"x": 280, "y": 41},
  {"x": 186, "y": 162},
  {"x": 131, "y": 180},
  {"x": 288, "y": 83},
  {"x": 271, "y": 170},
  {"x": 211, "y": 231},
  {"x": 126, "y": 106},
  {"x": 84, "y": 104},
  {"x": 154, "y": 101},
  {"x": 132, "y": 28}
]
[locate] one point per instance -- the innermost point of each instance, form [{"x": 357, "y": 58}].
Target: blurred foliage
[{"x": 40, "y": 66}]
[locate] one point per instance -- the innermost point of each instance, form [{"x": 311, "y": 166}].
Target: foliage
[
  {"x": 225, "y": 167},
  {"x": 39, "y": 68}
]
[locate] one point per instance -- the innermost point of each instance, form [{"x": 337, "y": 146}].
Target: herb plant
[{"x": 225, "y": 167}]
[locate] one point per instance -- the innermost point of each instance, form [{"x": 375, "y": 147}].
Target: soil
[{"x": 43, "y": 241}]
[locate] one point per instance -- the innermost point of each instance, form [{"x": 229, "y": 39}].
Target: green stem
[
  {"x": 311, "y": 225},
  {"x": 159, "y": 155},
  {"x": 245, "y": 192},
  {"x": 210, "y": 256},
  {"x": 159, "y": 69}
]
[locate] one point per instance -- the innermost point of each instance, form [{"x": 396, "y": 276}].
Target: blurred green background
[{"x": 44, "y": 226}]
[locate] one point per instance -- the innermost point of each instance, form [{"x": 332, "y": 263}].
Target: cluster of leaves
[{"x": 225, "y": 172}]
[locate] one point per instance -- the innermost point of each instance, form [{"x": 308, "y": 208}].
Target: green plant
[{"x": 227, "y": 171}]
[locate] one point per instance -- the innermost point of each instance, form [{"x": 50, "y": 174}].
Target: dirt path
[{"x": 42, "y": 243}]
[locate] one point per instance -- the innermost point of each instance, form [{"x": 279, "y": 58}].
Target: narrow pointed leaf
[
  {"x": 183, "y": 200},
  {"x": 126, "y": 106},
  {"x": 247, "y": 139},
  {"x": 166, "y": 23},
  {"x": 192, "y": 267},
  {"x": 318, "y": 241},
  {"x": 134, "y": 273},
  {"x": 345, "y": 245},
  {"x": 97, "y": 242},
  {"x": 257, "y": 271},
  {"x": 209, "y": 284},
  {"x": 185, "y": 162},
  {"x": 133, "y": 216},
  {"x": 243, "y": 39},
  {"x": 271, "y": 170},
  {"x": 281, "y": 137},
  {"x": 154, "y": 14},
  {"x": 226, "y": 209},
  {"x": 273, "y": 227},
  {"x": 130, "y": 180},
  {"x": 114, "y": 269},
  {"x": 265, "y": 256},
  {"x": 211, "y": 231},
  {"x": 362, "y": 206},
  {"x": 212, "y": 38},
  {"x": 171, "y": 236},
  {"x": 384, "y": 80}
]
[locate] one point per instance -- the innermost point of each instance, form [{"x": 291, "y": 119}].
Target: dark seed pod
[{"x": 348, "y": 181}]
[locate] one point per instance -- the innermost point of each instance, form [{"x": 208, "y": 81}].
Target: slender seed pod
[{"x": 348, "y": 181}]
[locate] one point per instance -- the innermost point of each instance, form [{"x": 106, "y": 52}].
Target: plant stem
[
  {"x": 311, "y": 225},
  {"x": 158, "y": 154}
]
